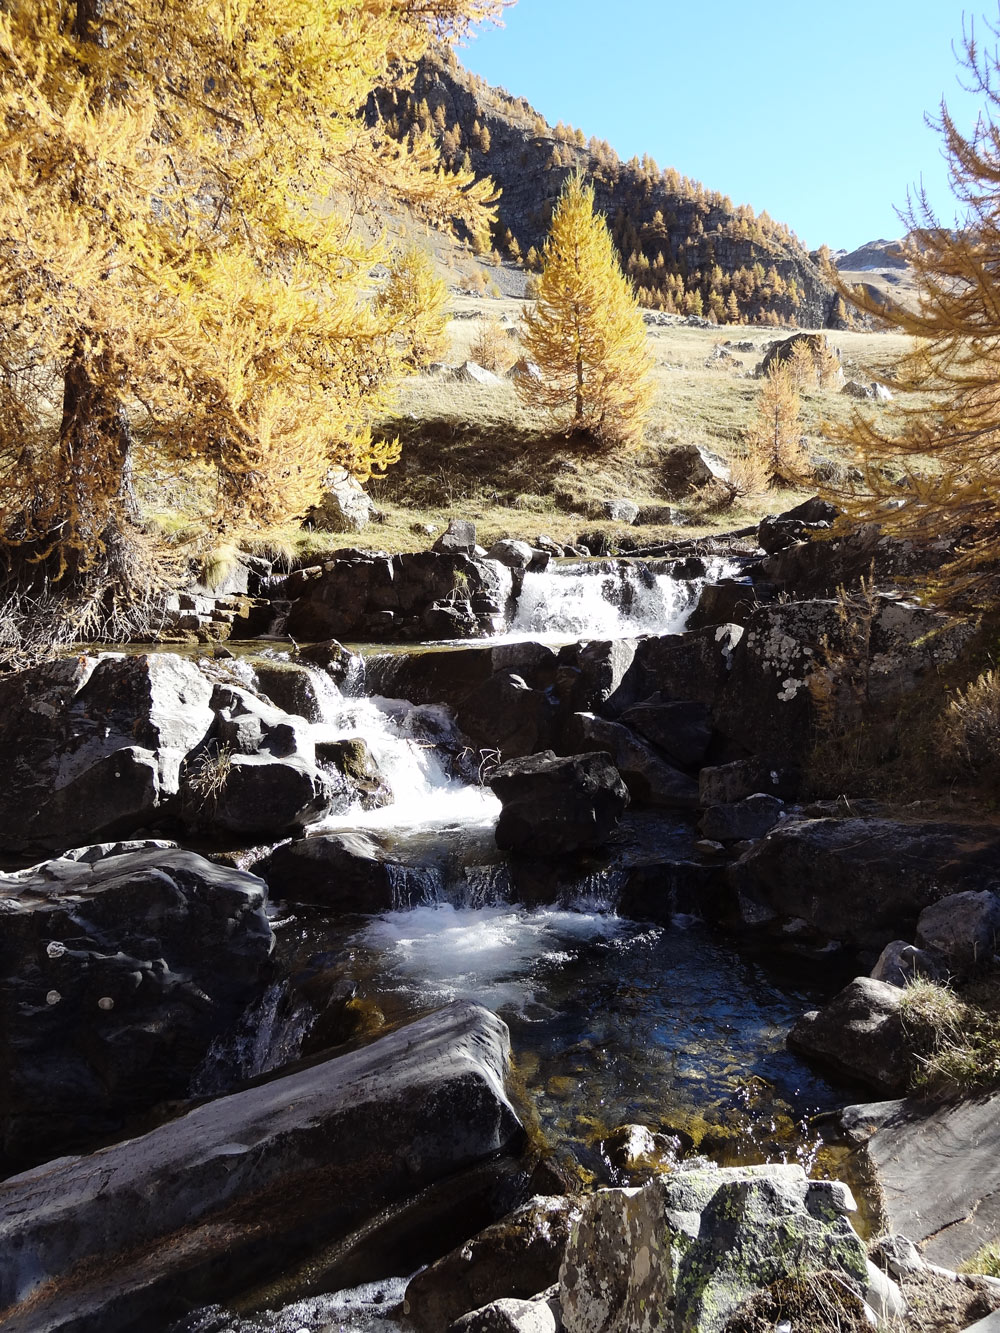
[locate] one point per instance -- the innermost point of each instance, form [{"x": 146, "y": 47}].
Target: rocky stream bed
[{"x": 479, "y": 966}]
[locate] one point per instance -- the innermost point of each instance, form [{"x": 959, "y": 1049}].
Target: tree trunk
[
  {"x": 95, "y": 467},
  {"x": 88, "y": 22}
]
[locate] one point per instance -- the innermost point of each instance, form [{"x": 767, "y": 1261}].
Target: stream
[{"x": 612, "y": 1020}]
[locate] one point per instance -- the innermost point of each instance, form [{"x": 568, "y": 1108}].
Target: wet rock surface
[
  {"x": 553, "y": 805},
  {"x": 249, "y": 1180},
  {"x": 114, "y": 977},
  {"x": 517, "y": 1257}
]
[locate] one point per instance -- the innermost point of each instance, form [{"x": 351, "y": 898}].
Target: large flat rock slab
[
  {"x": 939, "y": 1171},
  {"x": 227, "y": 1194}
]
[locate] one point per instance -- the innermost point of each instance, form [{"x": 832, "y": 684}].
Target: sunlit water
[
  {"x": 612, "y": 1020},
  {"x": 569, "y": 602}
]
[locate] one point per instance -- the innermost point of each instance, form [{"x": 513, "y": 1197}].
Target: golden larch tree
[
  {"x": 415, "y": 300},
  {"x": 947, "y": 444},
  {"x": 586, "y": 332},
  {"x": 180, "y": 276},
  {"x": 773, "y": 436}
]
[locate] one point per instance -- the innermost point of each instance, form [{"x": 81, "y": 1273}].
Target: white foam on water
[
  {"x": 569, "y": 602},
  {"x": 493, "y": 955},
  {"x": 405, "y": 740}
]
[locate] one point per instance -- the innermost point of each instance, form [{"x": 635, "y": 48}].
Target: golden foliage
[
  {"x": 949, "y": 445},
  {"x": 773, "y": 434},
  {"x": 491, "y": 347},
  {"x": 173, "y": 269},
  {"x": 586, "y": 332},
  {"x": 414, "y": 300}
]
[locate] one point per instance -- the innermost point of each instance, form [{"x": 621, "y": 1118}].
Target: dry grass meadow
[{"x": 479, "y": 452}]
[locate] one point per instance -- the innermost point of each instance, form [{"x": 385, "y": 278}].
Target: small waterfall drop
[
  {"x": 607, "y": 600},
  {"x": 413, "y": 745}
]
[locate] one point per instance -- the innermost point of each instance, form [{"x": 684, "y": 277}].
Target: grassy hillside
[{"x": 478, "y": 452}]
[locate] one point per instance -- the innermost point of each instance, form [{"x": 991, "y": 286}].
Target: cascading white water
[
  {"x": 597, "y": 602},
  {"x": 408, "y": 742},
  {"x": 489, "y": 954}
]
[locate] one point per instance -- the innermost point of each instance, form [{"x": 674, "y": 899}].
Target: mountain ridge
[{"x": 688, "y": 250}]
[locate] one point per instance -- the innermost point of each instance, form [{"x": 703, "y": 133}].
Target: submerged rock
[
  {"x": 249, "y": 1181},
  {"x": 685, "y": 1250},
  {"x": 554, "y": 805},
  {"x": 114, "y": 978}
]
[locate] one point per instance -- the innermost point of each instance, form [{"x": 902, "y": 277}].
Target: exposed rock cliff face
[{"x": 677, "y": 239}]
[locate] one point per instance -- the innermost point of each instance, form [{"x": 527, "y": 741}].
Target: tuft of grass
[
  {"x": 985, "y": 1261},
  {"x": 969, "y": 729},
  {"x": 954, "y": 1038},
  {"x": 208, "y": 774},
  {"x": 219, "y": 563}
]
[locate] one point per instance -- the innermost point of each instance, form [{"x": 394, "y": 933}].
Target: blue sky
[{"x": 811, "y": 111}]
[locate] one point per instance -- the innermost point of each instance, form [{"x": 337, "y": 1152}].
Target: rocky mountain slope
[
  {"x": 689, "y": 250},
  {"x": 881, "y": 268}
]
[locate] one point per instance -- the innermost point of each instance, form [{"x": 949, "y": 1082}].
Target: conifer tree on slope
[
  {"x": 168, "y": 282},
  {"x": 586, "y": 332},
  {"x": 948, "y": 443}
]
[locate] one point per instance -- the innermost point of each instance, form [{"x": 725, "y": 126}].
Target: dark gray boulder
[
  {"x": 504, "y": 713},
  {"x": 254, "y": 795},
  {"x": 345, "y": 872},
  {"x": 724, "y": 783},
  {"x": 114, "y": 977},
  {"x": 249, "y": 1181},
  {"x": 767, "y": 703},
  {"x": 860, "y": 1034},
  {"x": 93, "y": 746},
  {"x": 963, "y": 929},
  {"x": 554, "y": 805},
  {"x": 649, "y": 777},
  {"x": 900, "y": 964},
  {"x": 727, "y": 602},
  {"x": 861, "y": 881},
  {"x": 516, "y": 555},
  {"x": 937, "y": 1166},
  {"x": 518, "y": 1257},
  {"x": 742, "y": 821},
  {"x": 681, "y": 729},
  {"x": 352, "y": 759},
  {"x": 290, "y": 687},
  {"x": 510, "y": 1315},
  {"x": 460, "y": 535},
  {"x": 683, "y": 469}
]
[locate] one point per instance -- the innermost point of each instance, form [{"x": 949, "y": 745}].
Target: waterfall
[
  {"x": 413, "y": 746},
  {"x": 607, "y": 600}
]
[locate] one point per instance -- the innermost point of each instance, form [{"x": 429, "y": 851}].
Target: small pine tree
[
  {"x": 416, "y": 301},
  {"x": 732, "y": 309},
  {"x": 586, "y": 332},
  {"x": 773, "y": 434},
  {"x": 491, "y": 347},
  {"x": 802, "y": 366}
]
